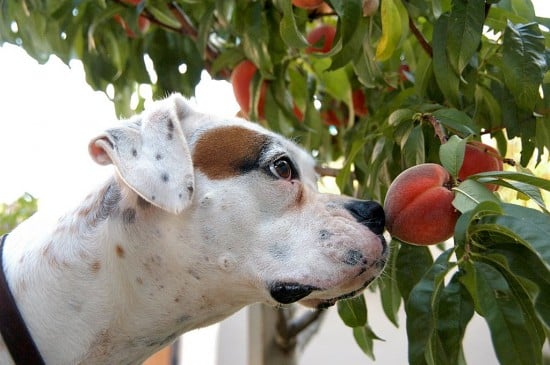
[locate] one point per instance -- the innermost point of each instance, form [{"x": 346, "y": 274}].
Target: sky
[{"x": 48, "y": 114}]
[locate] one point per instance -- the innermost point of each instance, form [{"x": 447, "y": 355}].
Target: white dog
[{"x": 203, "y": 216}]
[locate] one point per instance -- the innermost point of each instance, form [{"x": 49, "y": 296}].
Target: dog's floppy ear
[{"x": 151, "y": 154}]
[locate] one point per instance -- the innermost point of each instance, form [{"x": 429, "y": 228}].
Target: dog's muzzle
[{"x": 369, "y": 214}]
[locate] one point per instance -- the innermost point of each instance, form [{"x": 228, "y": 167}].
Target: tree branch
[
  {"x": 289, "y": 328},
  {"x": 438, "y": 129},
  {"x": 327, "y": 171},
  {"x": 423, "y": 42}
]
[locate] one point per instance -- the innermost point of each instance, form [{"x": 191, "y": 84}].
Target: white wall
[{"x": 334, "y": 343}]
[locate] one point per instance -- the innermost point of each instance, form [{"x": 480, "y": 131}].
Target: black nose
[{"x": 368, "y": 213}]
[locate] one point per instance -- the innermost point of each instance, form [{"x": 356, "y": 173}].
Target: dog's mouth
[{"x": 287, "y": 293}]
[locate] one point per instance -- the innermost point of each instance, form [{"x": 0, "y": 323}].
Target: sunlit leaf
[{"x": 451, "y": 154}]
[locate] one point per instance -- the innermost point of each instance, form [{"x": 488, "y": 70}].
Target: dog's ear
[{"x": 151, "y": 154}]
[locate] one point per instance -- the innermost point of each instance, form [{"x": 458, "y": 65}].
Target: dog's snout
[{"x": 368, "y": 213}]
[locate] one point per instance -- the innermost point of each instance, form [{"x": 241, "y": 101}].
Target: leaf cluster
[{"x": 14, "y": 213}]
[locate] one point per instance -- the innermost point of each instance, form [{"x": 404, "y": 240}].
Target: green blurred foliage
[{"x": 14, "y": 213}]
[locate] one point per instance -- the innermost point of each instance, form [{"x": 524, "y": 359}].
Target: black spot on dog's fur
[
  {"x": 353, "y": 257},
  {"x": 108, "y": 204},
  {"x": 324, "y": 234},
  {"x": 165, "y": 177},
  {"x": 129, "y": 216}
]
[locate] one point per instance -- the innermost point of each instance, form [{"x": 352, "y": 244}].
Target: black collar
[{"x": 16, "y": 336}]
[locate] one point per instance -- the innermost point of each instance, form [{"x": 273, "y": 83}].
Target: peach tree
[{"x": 400, "y": 83}]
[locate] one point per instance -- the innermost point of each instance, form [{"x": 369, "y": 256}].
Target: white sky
[{"x": 48, "y": 114}]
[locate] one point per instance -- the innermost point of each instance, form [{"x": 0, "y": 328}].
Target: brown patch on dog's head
[{"x": 229, "y": 151}]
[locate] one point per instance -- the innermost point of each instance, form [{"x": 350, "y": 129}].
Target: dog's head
[{"x": 252, "y": 198}]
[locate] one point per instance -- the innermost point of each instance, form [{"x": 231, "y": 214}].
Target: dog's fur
[{"x": 203, "y": 216}]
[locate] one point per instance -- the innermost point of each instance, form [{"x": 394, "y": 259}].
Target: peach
[
  {"x": 479, "y": 157},
  {"x": 307, "y": 4},
  {"x": 419, "y": 206},
  {"x": 241, "y": 78},
  {"x": 320, "y": 39},
  {"x": 359, "y": 101}
]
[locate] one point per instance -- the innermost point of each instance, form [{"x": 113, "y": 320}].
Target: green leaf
[
  {"x": 412, "y": 263},
  {"x": 496, "y": 301},
  {"x": 420, "y": 308},
  {"x": 529, "y": 190},
  {"x": 353, "y": 311},
  {"x": 527, "y": 265},
  {"x": 451, "y": 154},
  {"x": 389, "y": 291},
  {"x": 524, "y": 62},
  {"x": 469, "y": 194},
  {"x": 167, "y": 62},
  {"x": 337, "y": 84},
  {"x": 289, "y": 30},
  {"x": 461, "y": 235},
  {"x": 163, "y": 15},
  {"x": 364, "y": 337},
  {"x": 525, "y": 291},
  {"x": 457, "y": 121},
  {"x": 445, "y": 75},
  {"x": 514, "y": 176},
  {"x": 455, "y": 310},
  {"x": 464, "y": 31},
  {"x": 525, "y": 226},
  {"x": 400, "y": 116},
  {"x": 394, "y": 25},
  {"x": 414, "y": 150},
  {"x": 255, "y": 36},
  {"x": 352, "y": 28}
]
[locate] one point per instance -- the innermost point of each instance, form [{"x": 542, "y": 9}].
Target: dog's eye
[{"x": 282, "y": 169}]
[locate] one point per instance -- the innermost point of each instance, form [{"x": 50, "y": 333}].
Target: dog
[{"x": 203, "y": 215}]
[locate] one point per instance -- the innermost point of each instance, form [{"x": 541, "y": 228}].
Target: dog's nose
[{"x": 368, "y": 213}]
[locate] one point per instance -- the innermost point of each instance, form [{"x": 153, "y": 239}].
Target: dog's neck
[{"x": 131, "y": 287}]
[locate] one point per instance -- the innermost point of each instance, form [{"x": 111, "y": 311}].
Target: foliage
[
  {"x": 14, "y": 213},
  {"x": 432, "y": 71}
]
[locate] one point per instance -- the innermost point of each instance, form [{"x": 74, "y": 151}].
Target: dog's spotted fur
[{"x": 196, "y": 223}]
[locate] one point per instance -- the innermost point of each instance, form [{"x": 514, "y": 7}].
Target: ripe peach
[
  {"x": 419, "y": 206},
  {"x": 330, "y": 117},
  {"x": 321, "y": 39},
  {"x": 359, "y": 103},
  {"x": 307, "y": 4},
  {"x": 241, "y": 78},
  {"x": 479, "y": 157}
]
